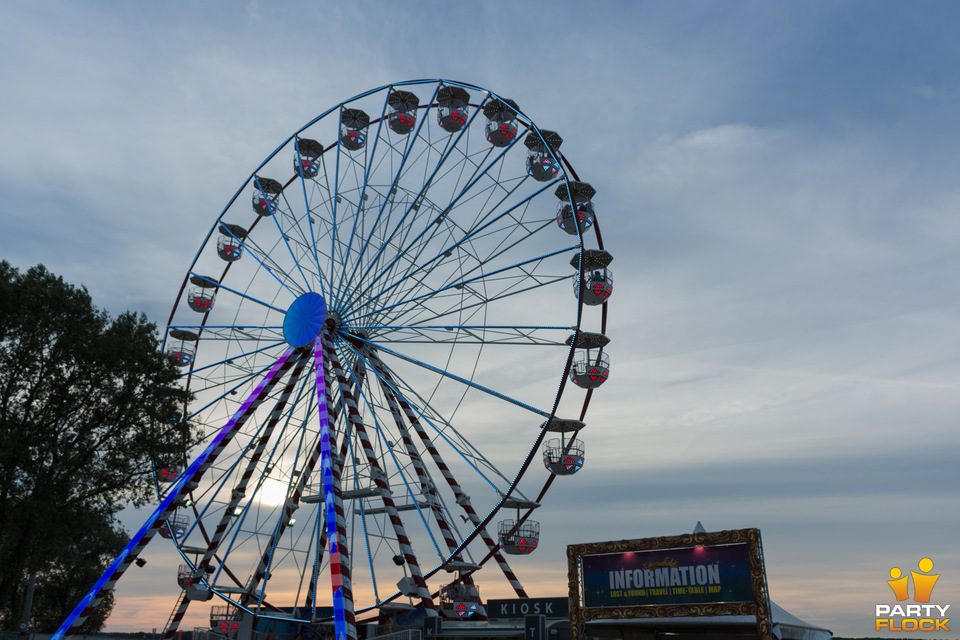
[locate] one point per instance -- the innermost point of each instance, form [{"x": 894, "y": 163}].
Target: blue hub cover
[{"x": 304, "y": 319}]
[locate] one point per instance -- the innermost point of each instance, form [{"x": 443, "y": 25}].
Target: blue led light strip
[
  {"x": 330, "y": 512},
  {"x": 114, "y": 571}
]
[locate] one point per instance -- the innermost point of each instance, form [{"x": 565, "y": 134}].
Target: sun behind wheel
[{"x": 378, "y": 340}]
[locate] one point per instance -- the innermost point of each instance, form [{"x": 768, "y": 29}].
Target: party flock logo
[{"x": 921, "y": 616}]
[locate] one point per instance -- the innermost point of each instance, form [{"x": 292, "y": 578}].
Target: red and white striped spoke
[
  {"x": 379, "y": 479},
  {"x": 427, "y": 486},
  {"x": 462, "y": 498}
]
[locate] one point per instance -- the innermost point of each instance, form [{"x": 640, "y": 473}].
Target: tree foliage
[{"x": 84, "y": 402}]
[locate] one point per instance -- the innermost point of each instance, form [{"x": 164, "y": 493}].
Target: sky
[{"x": 776, "y": 181}]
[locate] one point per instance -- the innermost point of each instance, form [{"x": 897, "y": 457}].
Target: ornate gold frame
[{"x": 760, "y": 607}]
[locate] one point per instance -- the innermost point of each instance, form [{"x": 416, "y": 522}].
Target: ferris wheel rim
[{"x": 580, "y": 246}]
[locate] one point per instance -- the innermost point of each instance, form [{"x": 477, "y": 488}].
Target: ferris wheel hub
[{"x": 304, "y": 319}]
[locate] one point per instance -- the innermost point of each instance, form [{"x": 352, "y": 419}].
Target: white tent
[{"x": 786, "y": 626}]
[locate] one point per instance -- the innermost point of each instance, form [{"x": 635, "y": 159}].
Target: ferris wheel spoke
[
  {"x": 247, "y": 377},
  {"x": 306, "y": 204},
  {"x": 415, "y": 461},
  {"x": 502, "y": 248},
  {"x": 461, "y": 300},
  {"x": 287, "y": 212},
  {"x": 419, "y": 271},
  {"x": 381, "y": 223},
  {"x": 440, "y": 423},
  {"x": 387, "y": 205},
  {"x": 379, "y": 479},
  {"x": 228, "y": 386},
  {"x": 256, "y": 454},
  {"x": 225, "y": 228},
  {"x": 461, "y": 380},
  {"x": 388, "y": 199},
  {"x": 464, "y": 286},
  {"x": 235, "y": 357},
  {"x": 240, "y": 492},
  {"x": 513, "y": 335},
  {"x": 272, "y": 459},
  {"x": 462, "y": 498},
  {"x": 336, "y": 199},
  {"x": 440, "y": 163},
  {"x": 434, "y": 229},
  {"x": 340, "y": 248},
  {"x": 503, "y": 185},
  {"x": 480, "y": 229},
  {"x": 426, "y": 236},
  {"x": 482, "y": 224},
  {"x": 466, "y": 282},
  {"x": 477, "y": 175},
  {"x": 427, "y": 485},
  {"x": 464, "y": 305},
  {"x": 415, "y": 206},
  {"x": 236, "y": 333},
  {"x": 270, "y": 265},
  {"x": 236, "y": 293}
]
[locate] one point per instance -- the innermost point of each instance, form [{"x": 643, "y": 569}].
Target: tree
[{"x": 85, "y": 400}]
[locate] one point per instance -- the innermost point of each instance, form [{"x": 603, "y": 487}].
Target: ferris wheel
[{"x": 398, "y": 311}]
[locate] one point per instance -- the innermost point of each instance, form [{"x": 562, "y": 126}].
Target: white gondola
[
  {"x": 202, "y": 295},
  {"x": 591, "y": 369},
  {"x": 563, "y": 457},
  {"x": 501, "y": 127},
  {"x": 167, "y": 473},
  {"x": 452, "y": 108},
  {"x": 353, "y": 129},
  {"x": 174, "y": 527},
  {"x": 597, "y": 282},
  {"x": 460, "y": 601},
  {"x": 266, "y": 194},
  {"x": 183, "y": 346},
  {"x": 230, "y": 242},
  {"x": 519, "y": 540},
  {"x": 579, "y": 213},
  {"x": 591, "y": 366},
  {"x": 541, "y": 153},
  {"x": 184, "y": 576},
  {"x": 403, "y": 111},
  {"x": 307, "y": 161}
]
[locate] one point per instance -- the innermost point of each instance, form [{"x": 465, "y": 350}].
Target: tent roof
[{"x": 786, "y": 626}]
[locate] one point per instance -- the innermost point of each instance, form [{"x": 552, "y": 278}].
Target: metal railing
[{"x": 405, "y": 634}]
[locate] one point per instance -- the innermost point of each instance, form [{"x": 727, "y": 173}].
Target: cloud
[{"x": 777, "y": 185}]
